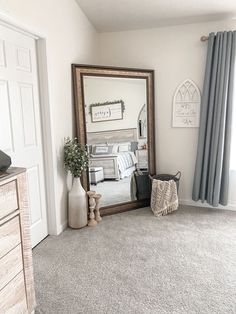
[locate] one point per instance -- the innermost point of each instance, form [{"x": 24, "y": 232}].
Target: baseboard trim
[
  {"x": 188, "y": 202},
  {"x": 62, "y": 227}
]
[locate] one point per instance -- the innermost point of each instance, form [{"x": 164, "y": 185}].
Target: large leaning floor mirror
[{"x": 114, "y": 110}]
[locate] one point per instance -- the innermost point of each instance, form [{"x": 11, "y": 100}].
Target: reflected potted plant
[{"x": 76, "y": 161}]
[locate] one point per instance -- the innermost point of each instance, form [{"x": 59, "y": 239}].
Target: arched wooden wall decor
[{"x": 186, "y": 105}]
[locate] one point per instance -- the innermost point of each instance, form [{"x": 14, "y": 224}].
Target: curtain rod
[{"x": 204, "y": 38}]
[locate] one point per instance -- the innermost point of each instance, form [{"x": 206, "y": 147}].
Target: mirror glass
[{"x": 116, "y": 131}]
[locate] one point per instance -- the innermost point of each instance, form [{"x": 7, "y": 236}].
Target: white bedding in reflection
[{"x": 125, "y": 161}]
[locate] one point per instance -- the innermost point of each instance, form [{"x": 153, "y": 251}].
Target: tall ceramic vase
[{"x": 77, "y": 211}]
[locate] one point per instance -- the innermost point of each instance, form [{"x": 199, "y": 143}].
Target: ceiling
[{"x": 118, "y": 15}]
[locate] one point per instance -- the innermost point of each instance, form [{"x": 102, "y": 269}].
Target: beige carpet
[{"x": 183, "y": 263}]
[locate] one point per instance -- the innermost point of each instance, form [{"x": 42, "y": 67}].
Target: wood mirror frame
[{"x": 78, "y": 72}]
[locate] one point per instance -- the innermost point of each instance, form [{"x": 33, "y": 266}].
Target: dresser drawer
[
  {"x": 10, "y": 266},
  {"x": 9, "y": 236},
  {"x": 13, "y": 298},
  {"x": 8, "y": 198},
  {"x": 17, "y": 295}
]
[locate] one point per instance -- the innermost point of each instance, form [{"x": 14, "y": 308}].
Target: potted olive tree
[{"x": 76, "y": 161}]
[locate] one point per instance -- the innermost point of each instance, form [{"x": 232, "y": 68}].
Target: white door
[{"x": 20, "y": 124}]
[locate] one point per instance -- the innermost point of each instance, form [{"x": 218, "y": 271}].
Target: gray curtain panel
[{"x": 211, "y": 179}]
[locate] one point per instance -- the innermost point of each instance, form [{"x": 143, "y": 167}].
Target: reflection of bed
[
  {"x": 115, "y": 166},
  {"x": 114, "y": 151}
]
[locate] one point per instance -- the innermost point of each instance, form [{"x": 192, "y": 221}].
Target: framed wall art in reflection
[{"x": 107, "y": 111}]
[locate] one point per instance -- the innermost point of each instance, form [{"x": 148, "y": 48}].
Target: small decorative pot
[{"x": 78, "y": 206}]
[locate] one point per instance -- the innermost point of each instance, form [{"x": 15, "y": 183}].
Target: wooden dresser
[{"x": 16, "y": 270}]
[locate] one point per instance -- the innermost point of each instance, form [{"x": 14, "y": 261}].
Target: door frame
[{"x": 45, "y": 117}]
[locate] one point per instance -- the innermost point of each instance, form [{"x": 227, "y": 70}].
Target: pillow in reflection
[
  {"x": 115, "y": 148},
  {"x": 134, "y": 146},
  {"x": 124, "y": 147},
  {"x": 102, "y": 150}
]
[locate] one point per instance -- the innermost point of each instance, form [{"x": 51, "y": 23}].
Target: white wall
[
  {"x": 70, "y": 38},
  {"x": 131, "y": 91},
  {"x": 175, "y": 53}
]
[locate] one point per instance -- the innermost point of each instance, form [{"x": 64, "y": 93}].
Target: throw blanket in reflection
[{"x": 164, "y": 197}]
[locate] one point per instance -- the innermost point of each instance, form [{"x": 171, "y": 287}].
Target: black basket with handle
[{"x": 168, "y": 177}]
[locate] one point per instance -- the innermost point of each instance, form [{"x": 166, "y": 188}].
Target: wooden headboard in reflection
[{"x": 112, "y": 136}]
